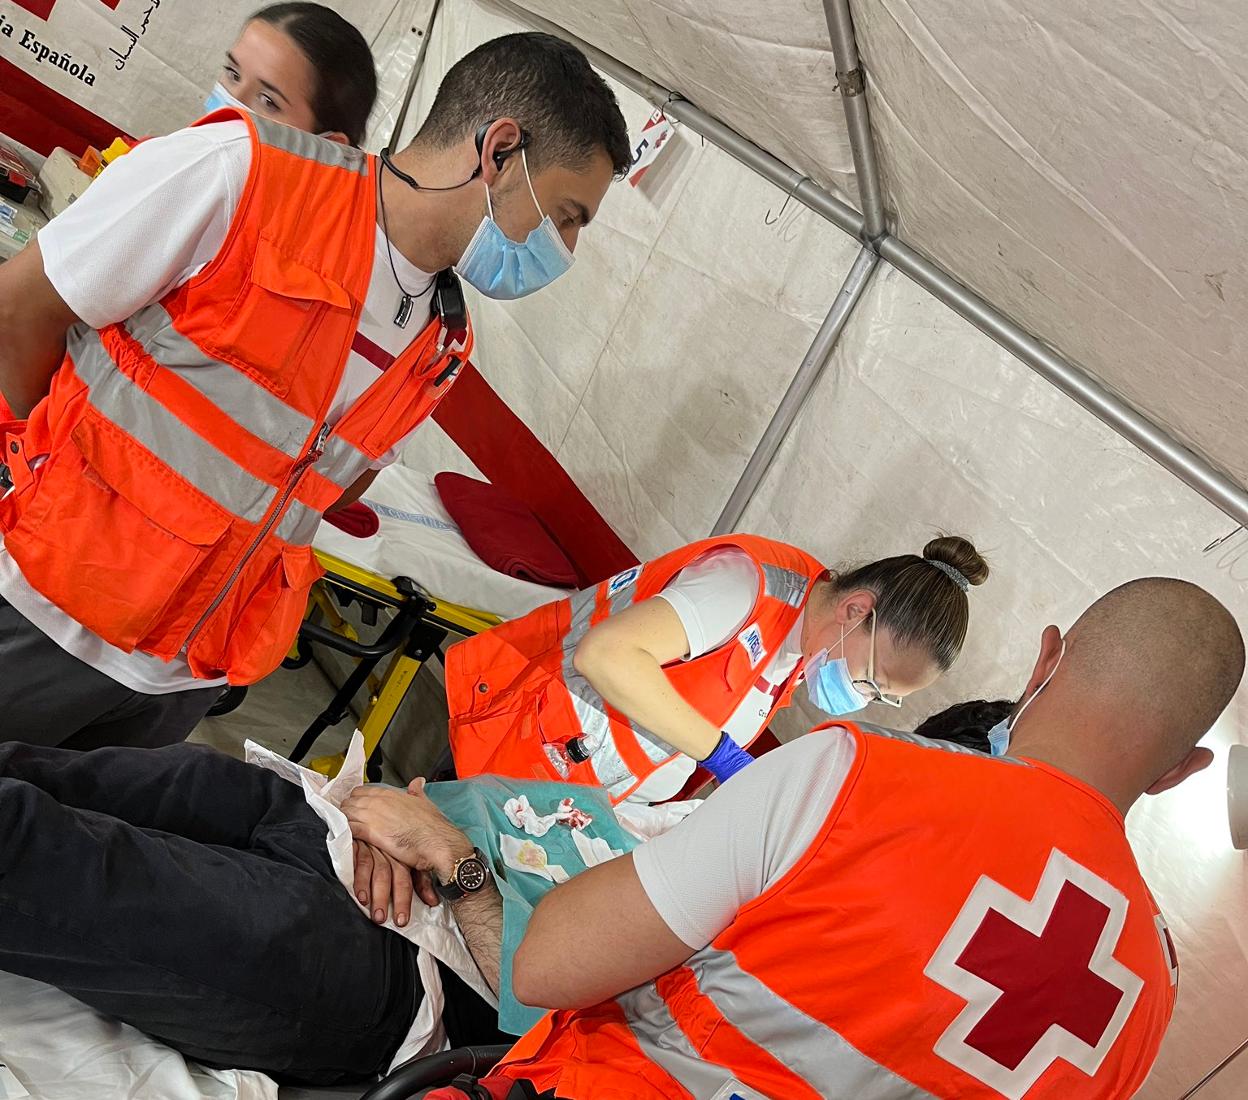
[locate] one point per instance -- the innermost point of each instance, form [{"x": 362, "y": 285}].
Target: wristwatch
[{"x": 469, "y": 875}]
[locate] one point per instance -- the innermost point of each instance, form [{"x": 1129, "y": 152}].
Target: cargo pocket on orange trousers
[
  {"x": 110, "y": 535},
  {"x": 249, "y": 634}
]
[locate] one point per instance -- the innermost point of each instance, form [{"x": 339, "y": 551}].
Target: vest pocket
[
  {"x": 276, "y": 316},
  {"x": 110, "y": 535},
  {"x": 252, "y": 631}
]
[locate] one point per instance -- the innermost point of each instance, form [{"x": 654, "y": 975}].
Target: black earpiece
[{"x": 500, "y": 155}]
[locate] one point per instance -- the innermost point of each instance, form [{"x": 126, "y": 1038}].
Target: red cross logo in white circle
[{"x": 1039, "y": 977}]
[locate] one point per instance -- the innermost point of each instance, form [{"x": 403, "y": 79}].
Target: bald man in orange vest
[{"x": 860, "y": 915}]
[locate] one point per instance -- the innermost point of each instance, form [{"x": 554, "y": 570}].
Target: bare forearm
[
  {"x": 33, "y": 320},
  {"x": 26, "y": 367},
  {"x": 480, "y": 919},
  {"x": 633, "y": 682}
]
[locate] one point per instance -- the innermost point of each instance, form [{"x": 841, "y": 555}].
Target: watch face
[{"x": 470, "y": 875}]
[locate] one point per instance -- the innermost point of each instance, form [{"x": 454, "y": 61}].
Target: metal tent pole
[
  {"x": 1215, "y": 486},
  {"x": 414, "y": 79},
  {"x": 792, "y": 182},
  {"x": 1215, "y": 1071},
  {"x": 852, "y": 83},
  {"x": 808, "y": 373}
]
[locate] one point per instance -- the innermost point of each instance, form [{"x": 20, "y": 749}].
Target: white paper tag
[
  {"x": 10, "y": 1087},
  {"x": 654, "y": 139}
]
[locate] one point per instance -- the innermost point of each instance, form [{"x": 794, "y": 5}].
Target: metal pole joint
[{"x": 852, "y": 83}]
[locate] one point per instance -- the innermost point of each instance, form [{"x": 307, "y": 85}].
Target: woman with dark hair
[
  {"x": 304, "y": 65},
  {"x": 685, "y": 660},
  {"x": 971, "y": 724}
]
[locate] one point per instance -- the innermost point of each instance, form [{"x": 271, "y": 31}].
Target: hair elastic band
[{"x": 953, "y": 574}]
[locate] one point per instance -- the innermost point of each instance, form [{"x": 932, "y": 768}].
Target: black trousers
[
  {"x": 191, "y": 895},
  {"x": 49, "y": 697}
]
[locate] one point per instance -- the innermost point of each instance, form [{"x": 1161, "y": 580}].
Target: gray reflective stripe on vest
[
  {"x": 799, "y": 1042},
  {"x": 591, "y": 710},
  {"x": 343, "y": 462},
  {"x": 213, "y": 473},
  {"x": 309, "y": 146},
  {"x": 246, "y": 402},
  {"x": 784, "y": 585},
  {"x": 931, "y": 743},
  {"x": 662, "y": 1041}
]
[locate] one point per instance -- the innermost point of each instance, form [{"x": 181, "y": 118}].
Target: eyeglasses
[{"x": 867, "y": 687}]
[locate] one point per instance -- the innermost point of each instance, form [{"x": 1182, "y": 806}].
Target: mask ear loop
[
  {"x": 1052, "y": 672},
  {"x": 524, "y": 160}
]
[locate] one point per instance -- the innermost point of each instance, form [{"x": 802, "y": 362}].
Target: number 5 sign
[{"x": 654, "y": 137}]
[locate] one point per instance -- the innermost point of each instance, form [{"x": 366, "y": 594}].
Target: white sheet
[{"x": 419, "y": 540}]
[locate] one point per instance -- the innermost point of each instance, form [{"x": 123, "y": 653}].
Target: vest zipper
[{"x": 297, "y": 471}]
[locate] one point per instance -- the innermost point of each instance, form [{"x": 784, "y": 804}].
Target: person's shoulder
[
  {"x": 215, "y": 135},
  {"x": 222, "y": 148}
]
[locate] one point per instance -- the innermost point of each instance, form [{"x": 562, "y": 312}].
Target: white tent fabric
[{"x": 1081, "y": 167}]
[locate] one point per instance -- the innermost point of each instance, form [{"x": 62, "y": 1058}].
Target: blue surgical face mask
[
  {"x": 830, "y": 684},
  {"x": 999, "y": 735},
  {"x": 219, "y": 98},
  {"x": 999, "y": 738},
  {"x": 500, "y": 268}
]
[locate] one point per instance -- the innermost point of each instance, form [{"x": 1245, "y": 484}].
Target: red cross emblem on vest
[{"x": 1039, "y": 978}]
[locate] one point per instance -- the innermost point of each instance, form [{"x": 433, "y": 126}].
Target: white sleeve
[
  {"x": 745, "y": 837},
  {"x": 713, "y": 596},
  {"x": 152, "y": 219}
]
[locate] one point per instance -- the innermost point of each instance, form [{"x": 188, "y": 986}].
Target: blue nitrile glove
[{"x": 727, "y": 759}]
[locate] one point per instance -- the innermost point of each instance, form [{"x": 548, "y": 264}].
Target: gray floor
[{"x": 275, "y": 714}]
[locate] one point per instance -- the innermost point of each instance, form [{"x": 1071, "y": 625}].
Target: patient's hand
[
  {"x": 408, "y": 828},
  {"x": 380, "y": 880}
]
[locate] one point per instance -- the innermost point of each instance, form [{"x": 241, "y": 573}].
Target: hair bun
[{"x": 960, "y": 554}]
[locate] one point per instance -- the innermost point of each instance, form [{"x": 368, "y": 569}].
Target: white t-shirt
[
  {"x": 714, "y": 597},
  {"x": 153, "y": 220},
  {"x": 745, "y": 837}
]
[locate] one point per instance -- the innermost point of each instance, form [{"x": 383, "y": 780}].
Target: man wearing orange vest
[
  {"x": 257, "y": 319},
  {"x": 860, "y": 915}
]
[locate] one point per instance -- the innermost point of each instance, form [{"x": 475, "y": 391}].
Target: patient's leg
[
  {"x": 197, "y": 792},
  {"x": 232, "y": 957}
]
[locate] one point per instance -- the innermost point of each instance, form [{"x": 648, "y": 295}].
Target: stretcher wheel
[
  {"x": 301, "y": 657},
  {"x": 230, "y": 701}
]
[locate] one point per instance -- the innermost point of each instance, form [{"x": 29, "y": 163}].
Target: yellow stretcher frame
[{"x": 416, "y": 632}]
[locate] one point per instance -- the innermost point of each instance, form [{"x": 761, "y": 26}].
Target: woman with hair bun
[{"x": 684, "y": 660}]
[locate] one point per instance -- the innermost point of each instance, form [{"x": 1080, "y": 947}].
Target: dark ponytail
[
  {"x": 919, "y": 602},
  {"x": 342, "y": 63}
]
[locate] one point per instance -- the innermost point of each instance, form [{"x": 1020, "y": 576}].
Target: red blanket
[{"x": 503, "y": 532}]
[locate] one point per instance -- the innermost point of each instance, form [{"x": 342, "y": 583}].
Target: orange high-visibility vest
[
  {"x": 513, "y": 691},
  {"x": 188, "y": 459},
  {"x": 961, "y": 926}
]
